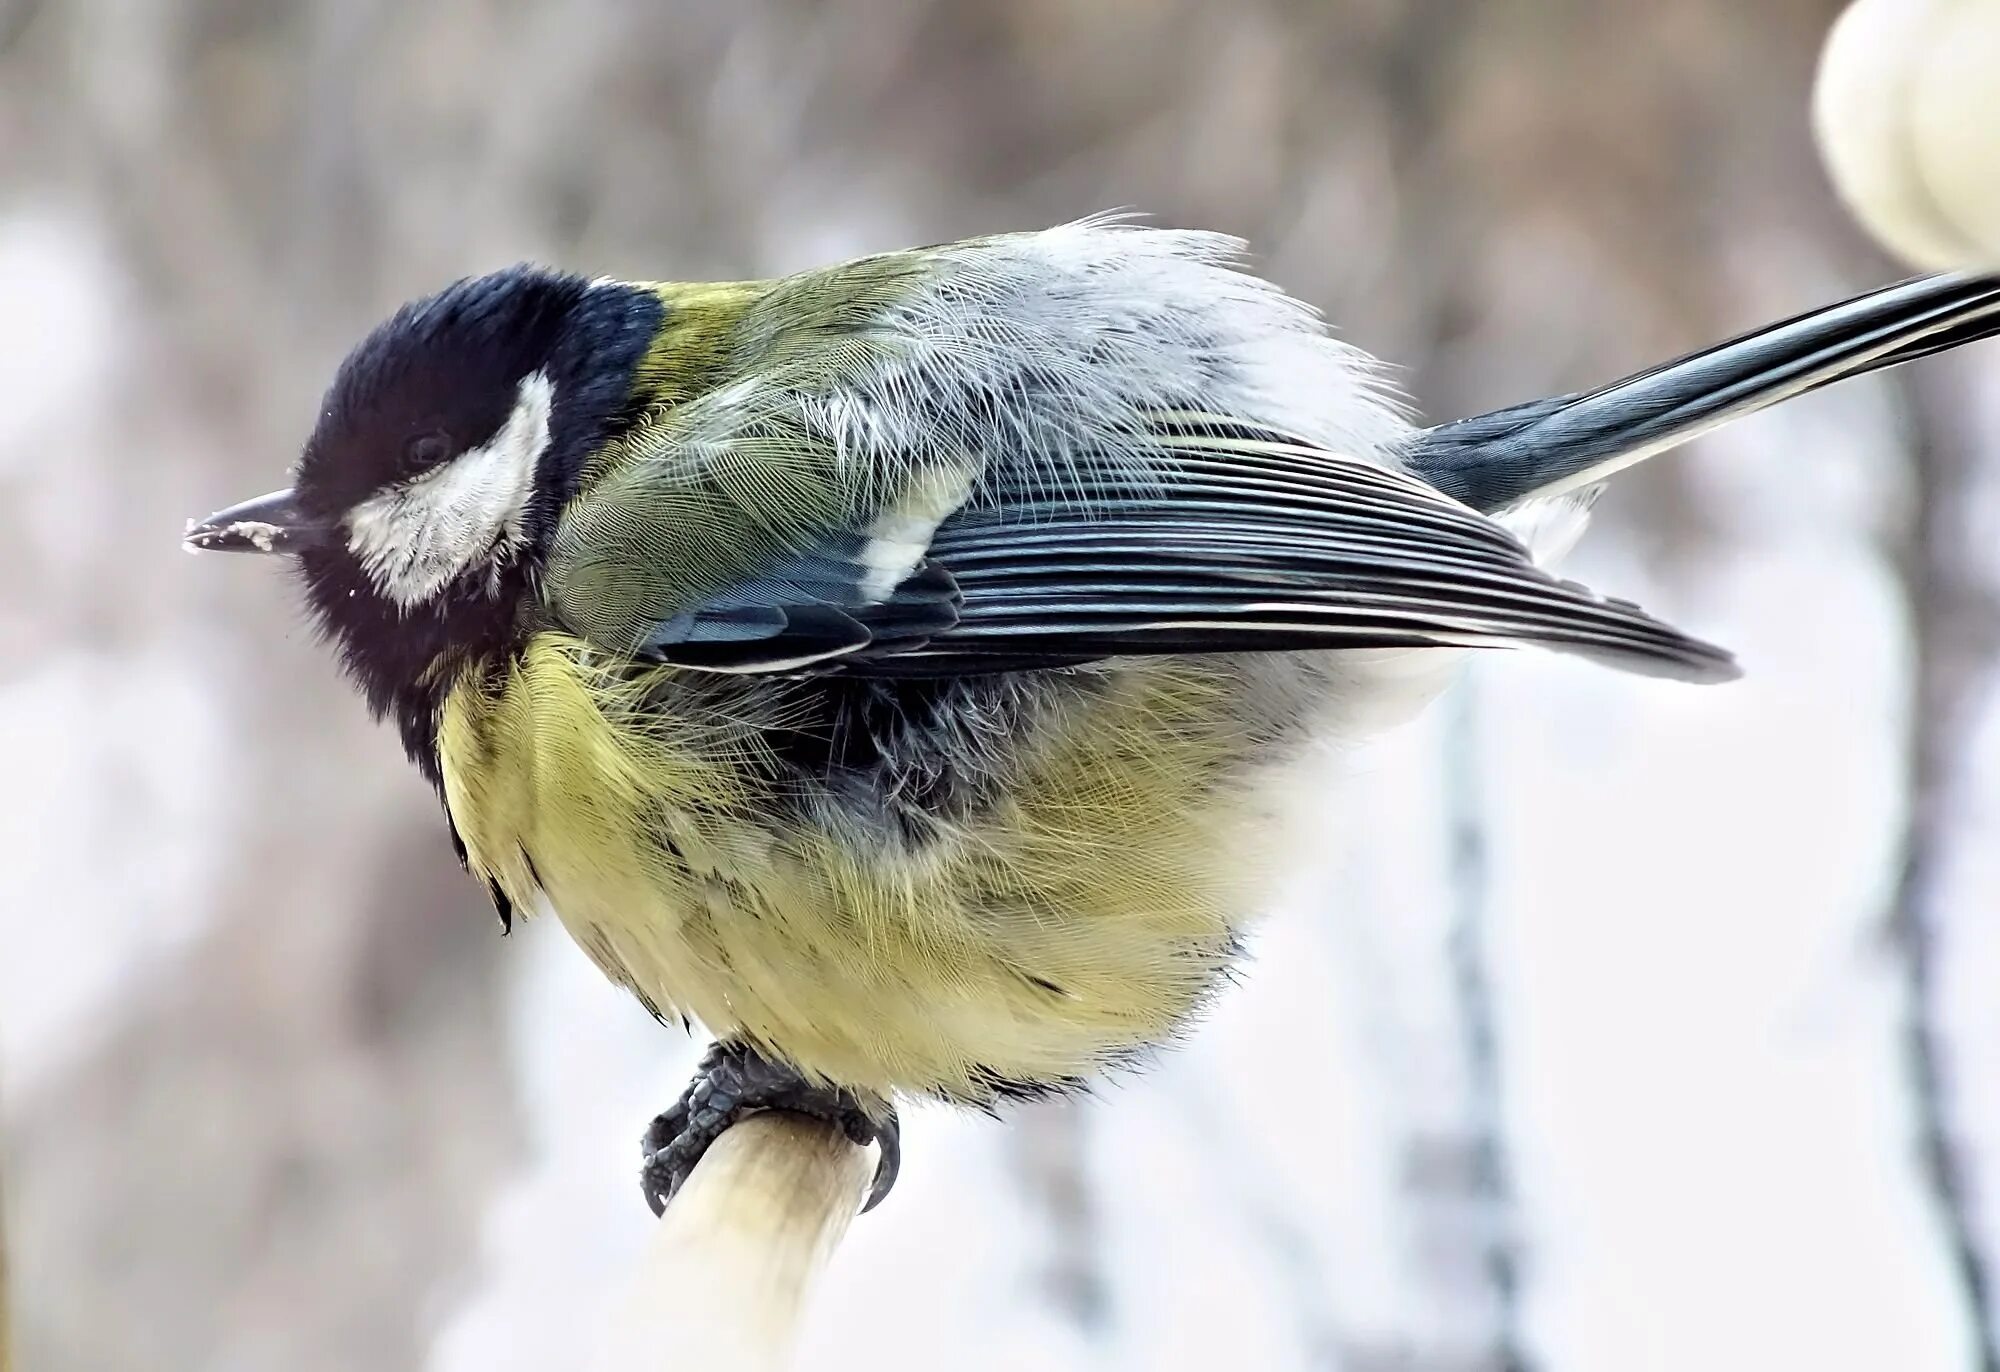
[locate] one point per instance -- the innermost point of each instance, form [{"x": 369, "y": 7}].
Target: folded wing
[{"x": 1228, "y": 538}]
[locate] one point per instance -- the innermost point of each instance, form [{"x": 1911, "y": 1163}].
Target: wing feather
[{"x": 1245, "y": 541}]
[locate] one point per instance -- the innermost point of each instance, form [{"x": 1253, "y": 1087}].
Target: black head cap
[{"x": 439, "y": 377}]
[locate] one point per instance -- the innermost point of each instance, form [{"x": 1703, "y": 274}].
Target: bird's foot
[{"x": 735, "y": 1080}]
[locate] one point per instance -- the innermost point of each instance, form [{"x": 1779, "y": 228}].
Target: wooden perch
[{"x": 727, "y": 1272}]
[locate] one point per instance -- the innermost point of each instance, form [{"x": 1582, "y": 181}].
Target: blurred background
[{"x": 1615, "y": 1025}]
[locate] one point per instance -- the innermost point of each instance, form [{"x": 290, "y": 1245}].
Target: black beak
[{"x": 269, "y": 524}]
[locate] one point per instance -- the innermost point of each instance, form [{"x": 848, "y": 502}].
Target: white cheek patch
[{"x": 415, "y": 538}]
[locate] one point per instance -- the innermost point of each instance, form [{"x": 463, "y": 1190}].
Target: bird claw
[{"x": 735, "y": 1080}]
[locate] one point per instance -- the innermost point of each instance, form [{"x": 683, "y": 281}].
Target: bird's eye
[{"x": 426, "y": 450}]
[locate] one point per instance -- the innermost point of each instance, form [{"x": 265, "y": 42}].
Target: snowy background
[{"x": 1614, "y": 1025}]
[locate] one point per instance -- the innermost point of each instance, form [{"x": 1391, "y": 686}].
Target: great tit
[{"x": 896, "y": 667}]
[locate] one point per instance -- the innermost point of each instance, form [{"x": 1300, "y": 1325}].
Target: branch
[
  {"x": 727, "y": 1273},
  {"x": 1952, "y": 657},
  {"x": 6, "y": 1327}
]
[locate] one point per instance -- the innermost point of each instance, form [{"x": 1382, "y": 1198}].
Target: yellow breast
[{"x": 1059, "y": 929}]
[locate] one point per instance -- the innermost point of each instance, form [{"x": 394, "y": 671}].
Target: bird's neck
[
  {"x": 405, "y": 658},
  {"x": 699, "y": 334}
]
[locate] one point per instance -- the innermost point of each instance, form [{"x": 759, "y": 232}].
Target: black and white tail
[{"x": 1551, "y": 447}]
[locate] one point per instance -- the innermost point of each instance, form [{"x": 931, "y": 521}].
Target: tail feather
[{"x": 1549, "y": 447}]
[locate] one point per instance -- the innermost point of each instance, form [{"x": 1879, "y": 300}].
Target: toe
[
  {"x": 657, "y": 1181},
  {"x": 666, "y": 1126},
  {"x": 889, "y": 1138}
]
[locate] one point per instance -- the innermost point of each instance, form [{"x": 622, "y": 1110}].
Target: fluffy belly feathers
[{"x": 1033, "y": 942}]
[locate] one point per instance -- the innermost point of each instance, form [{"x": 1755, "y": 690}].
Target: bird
[{"x": 895, "y": 668}]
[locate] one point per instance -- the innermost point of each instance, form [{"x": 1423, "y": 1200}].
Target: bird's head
[{"x": 444, "y": 451}]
